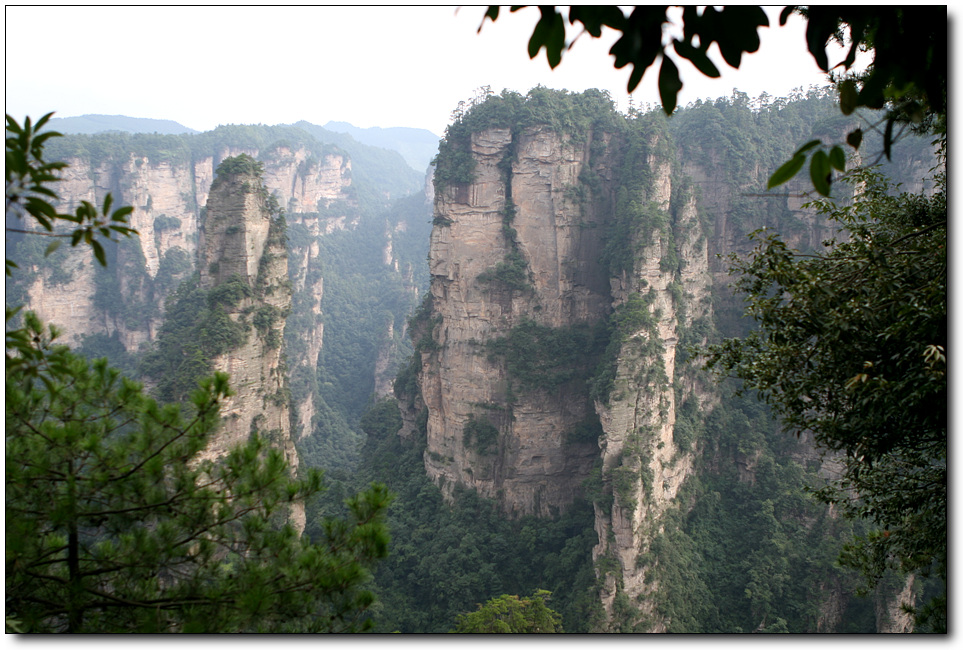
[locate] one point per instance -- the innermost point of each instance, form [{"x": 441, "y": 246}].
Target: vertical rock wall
[
  {"x": 168, "y": 196},
  {"x": 529, "y": 200},
  {"x": 240, "y": 240},
  {"x": 642, "y": 461},
  {"x": 530, "y": 467}
]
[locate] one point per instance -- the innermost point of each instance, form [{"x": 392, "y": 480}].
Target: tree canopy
[
  {"x": 113, "y": 525},
  {"x": 851, "y": 348},
  {"x": 510, "y": 614}
]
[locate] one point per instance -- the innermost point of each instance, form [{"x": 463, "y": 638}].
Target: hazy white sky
[{"x": 370, "y": 66}]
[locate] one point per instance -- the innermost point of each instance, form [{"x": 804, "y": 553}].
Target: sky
[{"x": 370, "y": 66}]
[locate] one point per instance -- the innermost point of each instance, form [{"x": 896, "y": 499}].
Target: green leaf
[
  {"x": 820, "y": 27},
  {"x": 121, "y": 214},
  {"x": 549, "y": 33},
  {"x": 698, "y": 58},
  {"x": 669, "y": 84},
  {"x": 13, "y": 126},
  {"x": 635, "y": 77},
  {"x": 784, "y": 15},
  {"x": 491, "y": 12},
  {"x": 99, "y": 252},
  {"x": 51, "y": 248},
  {"x": 43, "y": 120},
  {"x": 848, "y": 96},
  {"x": 788, "y": 169},
  {"x": 837, "y": 158},
  {"x": 819, "y": 172},
  {"x": 594, "y": 17},
  {"x": 855, "y": 138},
  {"x": 806, "y": 147}
]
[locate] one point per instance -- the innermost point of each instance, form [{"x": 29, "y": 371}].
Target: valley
[{"x": 509, "y": 340}]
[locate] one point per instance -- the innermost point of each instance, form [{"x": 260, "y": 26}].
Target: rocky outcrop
[
  {"x": 303, "y": 183},
  {"x": 530, "y": 464},
  {"x": 242, "y": 241},
  {"x": 524, "y": 204},
  {"x": 891, "y": 604},
  {"x": 639, "y": 453},
  {"x": 67, "y": 304},
  {"x": 559, "y": 233},
  {"x": 303, "y": 342},
  {"x": 168, "y": 194}
]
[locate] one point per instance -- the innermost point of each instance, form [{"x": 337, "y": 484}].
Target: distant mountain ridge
[
  {"x": 417, "y": 146},
  {"x": 93, "y": 123}
]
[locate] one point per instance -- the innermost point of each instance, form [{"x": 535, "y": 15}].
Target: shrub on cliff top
[
  {"x": 573, "y": 114},
  {"x": 242, "y": 164}
]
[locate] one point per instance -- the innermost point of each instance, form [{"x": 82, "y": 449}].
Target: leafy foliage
[
  {"x": 509, "y": 614},
  {"x": 112, "y": 524},
  {"x": 753, "y": 550},
  {"x": 733, "y": 28},
  {"x": 196, "y": 329},
  {"x": 851, "y": 347},
  {"x": 362, "y": 298},
  {"x": 241, "y": 164},
  {"x": 444, "y": 559},
  {"x": 480, "y": 434},
  {"x": 512, "y": 273},
  {"x": 572, "y": 114},
  {"x": 537, "y": 356},
  {"x": 632, "y": 317}
]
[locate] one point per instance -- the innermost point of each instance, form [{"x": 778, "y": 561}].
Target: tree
[
  {"x": 113, "y": 523},
  {"x": 510, "y": 614},
  {"x": 851, "y": 347},
  {"x": 910, "y": 81}
]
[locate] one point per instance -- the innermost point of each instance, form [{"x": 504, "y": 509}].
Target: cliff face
[
  {"x": 639, "y": 451},
  {"x": 530, "y": 464},
  {"x": 241, "y": 242},
  {"x": 567, "y": 278},
  {"x": 524, "y": 202},
  {"x": 168, "y": 196}
]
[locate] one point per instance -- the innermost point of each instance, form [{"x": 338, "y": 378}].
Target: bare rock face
[
  {"x": 168, "y": 195},
  {"x": 67, "y": 305},
  {"x": 522, "y": 247},
  {"x": 640, "y": 456},
  {"x": 232, "y": 241},
  {"x": 303, "y": 183},
  {"x": 530, "y": 467},
  {"x": 533, "y": 466},
  {"x": 303, "y": 352},
  {"x": 235, "y": 242},
  {"x": 241, "y": 242},
  {"x": 891, "y": 604}
]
